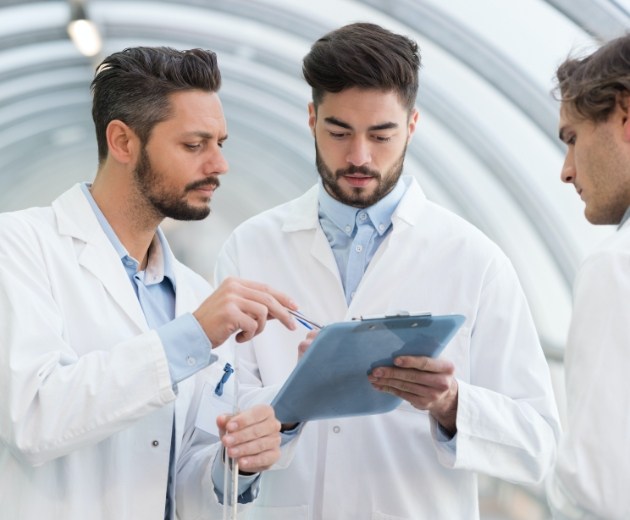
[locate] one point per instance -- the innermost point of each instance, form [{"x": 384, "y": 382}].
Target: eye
[
  {"x": 382, "y": 138},
  {"x": 337, "y": 135},
  {"x": 192, "y": 147},
  {"x": 571, "y": 140}
]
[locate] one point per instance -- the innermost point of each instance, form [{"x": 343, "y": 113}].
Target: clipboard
[{"x": 330, "y": 380}]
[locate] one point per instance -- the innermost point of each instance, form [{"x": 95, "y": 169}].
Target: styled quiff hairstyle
[
  {"x": 365, "y": 56},
  {"x": 593, "y": 86},
  {"x": 134, "y": 85}
]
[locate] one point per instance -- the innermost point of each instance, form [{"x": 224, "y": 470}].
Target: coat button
[
  {"x": 336, "y": 429},
  {"x": 155, "y": 443}
]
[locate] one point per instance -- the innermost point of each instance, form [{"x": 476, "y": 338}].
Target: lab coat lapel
[
  {"x": 302, "y": 225},
  {"x": 303, "y": 216},
  {"x": 95, "y": 252}
]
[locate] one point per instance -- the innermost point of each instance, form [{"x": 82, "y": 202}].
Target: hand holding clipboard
[{"x": 331, "y": 379}]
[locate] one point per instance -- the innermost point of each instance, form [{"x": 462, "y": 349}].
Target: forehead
[
  {"x": 196, "y": 110},
  {"x": 568, "y": 115},
  {"x": 366, "y": 106}
]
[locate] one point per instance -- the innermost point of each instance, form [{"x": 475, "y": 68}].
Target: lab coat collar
[
  {"x": 297, "y": 218},
  {"x": 95, "y": 252},
  {"x": 302, "y": 214},
  {"x": 411, "y": 206}
]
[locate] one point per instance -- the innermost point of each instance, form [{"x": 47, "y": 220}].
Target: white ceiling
[{"x": 486, "y": 146}]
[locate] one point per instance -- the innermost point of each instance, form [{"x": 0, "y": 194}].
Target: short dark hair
[
  {"x": 366, "y": 56},
  {"x": 134, "y": 86},
  {"x": 593, "y": 86}
]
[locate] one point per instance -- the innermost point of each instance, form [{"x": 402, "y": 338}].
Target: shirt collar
[
  {"x": 159, "y": 264},
  {"x": 344, "y": 216}
]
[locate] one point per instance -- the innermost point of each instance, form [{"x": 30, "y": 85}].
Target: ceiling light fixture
[{"x": 83, "y": 32}]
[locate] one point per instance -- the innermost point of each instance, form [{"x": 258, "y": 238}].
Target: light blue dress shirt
[{"x": 355, "y": 234}]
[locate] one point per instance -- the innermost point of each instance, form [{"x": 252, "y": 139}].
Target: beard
[
  {"x": 164, "y": 202},
  {"x": 359, "y": 197}
]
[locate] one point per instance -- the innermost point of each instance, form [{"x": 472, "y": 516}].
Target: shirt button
[
  {"x": 336, "y": 429},
  {"x": 381, "y": 227},
  {"x": 362, "y": 216},
  {"x": 191, "y": 361},
  {"x": 155, "y": 443},
  {"x": 348, "y": 229},
  {"x": 359, "y": 248}
]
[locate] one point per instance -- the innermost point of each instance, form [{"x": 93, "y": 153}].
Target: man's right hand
[{"x": 242, "y": 307}]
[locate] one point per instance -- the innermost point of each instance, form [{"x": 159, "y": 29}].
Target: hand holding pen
[{"x": 303, "y": 320}]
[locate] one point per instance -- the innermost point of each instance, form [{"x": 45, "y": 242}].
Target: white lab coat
[
  {"x": 87, "y": 402},
  {"x": 592, "y": 476},
  {"x": 392, "y": 466}
]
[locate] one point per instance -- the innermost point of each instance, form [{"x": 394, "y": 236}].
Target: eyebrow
[
  {"x": 383, "y": 126},
  {"x": 206, "y": 135}
]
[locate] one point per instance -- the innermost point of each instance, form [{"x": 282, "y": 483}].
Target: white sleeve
[
  {"x": 592, "y": 475},
  {"x": 507, "y": 420},
  {"x": 54, "y": 399}
]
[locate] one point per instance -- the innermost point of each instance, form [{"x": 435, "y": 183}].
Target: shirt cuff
[
  {"x": 288, "y": 435},
  {"x": 248, "y": 485},
  {"x": 188, "y": 350}
]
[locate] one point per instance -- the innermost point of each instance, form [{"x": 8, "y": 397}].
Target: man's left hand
[
  {"x": 426, "y": 383},
  {"x": 252, "y": 437}
]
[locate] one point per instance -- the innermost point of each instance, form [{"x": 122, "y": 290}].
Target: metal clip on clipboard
[{"x": 399, "y": 314}]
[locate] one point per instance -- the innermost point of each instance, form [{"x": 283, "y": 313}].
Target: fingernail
[{"x": 228, "y": 439}]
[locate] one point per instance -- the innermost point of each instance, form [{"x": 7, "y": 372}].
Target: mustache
[
  {"x": 210, "y": 181},
  {"x": 363, "y": 170}
]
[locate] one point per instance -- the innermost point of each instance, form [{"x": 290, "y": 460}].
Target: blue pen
[{"x": 308, "y": 323}]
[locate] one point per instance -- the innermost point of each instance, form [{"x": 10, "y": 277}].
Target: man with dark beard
[
  {"x": 366, "y": 241},
  {"x": 105, "y": 338}
]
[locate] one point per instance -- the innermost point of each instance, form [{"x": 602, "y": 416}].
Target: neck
[{"x": 134, "y": 226}]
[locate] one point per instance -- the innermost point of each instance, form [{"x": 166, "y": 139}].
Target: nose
[
  {"x": 359, "y": 152},
  {"x": 217, "y": 163},
  {"x": 568, "y": 168}
]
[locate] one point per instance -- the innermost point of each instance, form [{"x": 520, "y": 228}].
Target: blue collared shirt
[{"x": 355, "y": 234}]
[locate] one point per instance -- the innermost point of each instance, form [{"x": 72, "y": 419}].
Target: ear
[
  {"x": 312, "y": 117},
  {"x": 122, "y": 142},
  {"x": 413, "y": 121}
]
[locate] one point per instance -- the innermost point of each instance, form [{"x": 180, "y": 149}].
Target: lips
[
  {"x": 208, "y": 185},
  {"x": 358, "y": 181}
]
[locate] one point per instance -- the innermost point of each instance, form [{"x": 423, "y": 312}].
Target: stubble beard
[
  {"x": 358, "y": 198},
  {"x": 163, "y": 203}
]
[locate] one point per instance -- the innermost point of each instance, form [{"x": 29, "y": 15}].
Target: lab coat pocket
[{"x": 210, "y": 407}]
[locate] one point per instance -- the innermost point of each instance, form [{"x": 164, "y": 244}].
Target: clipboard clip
[{"x": 399, "y": 314}]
